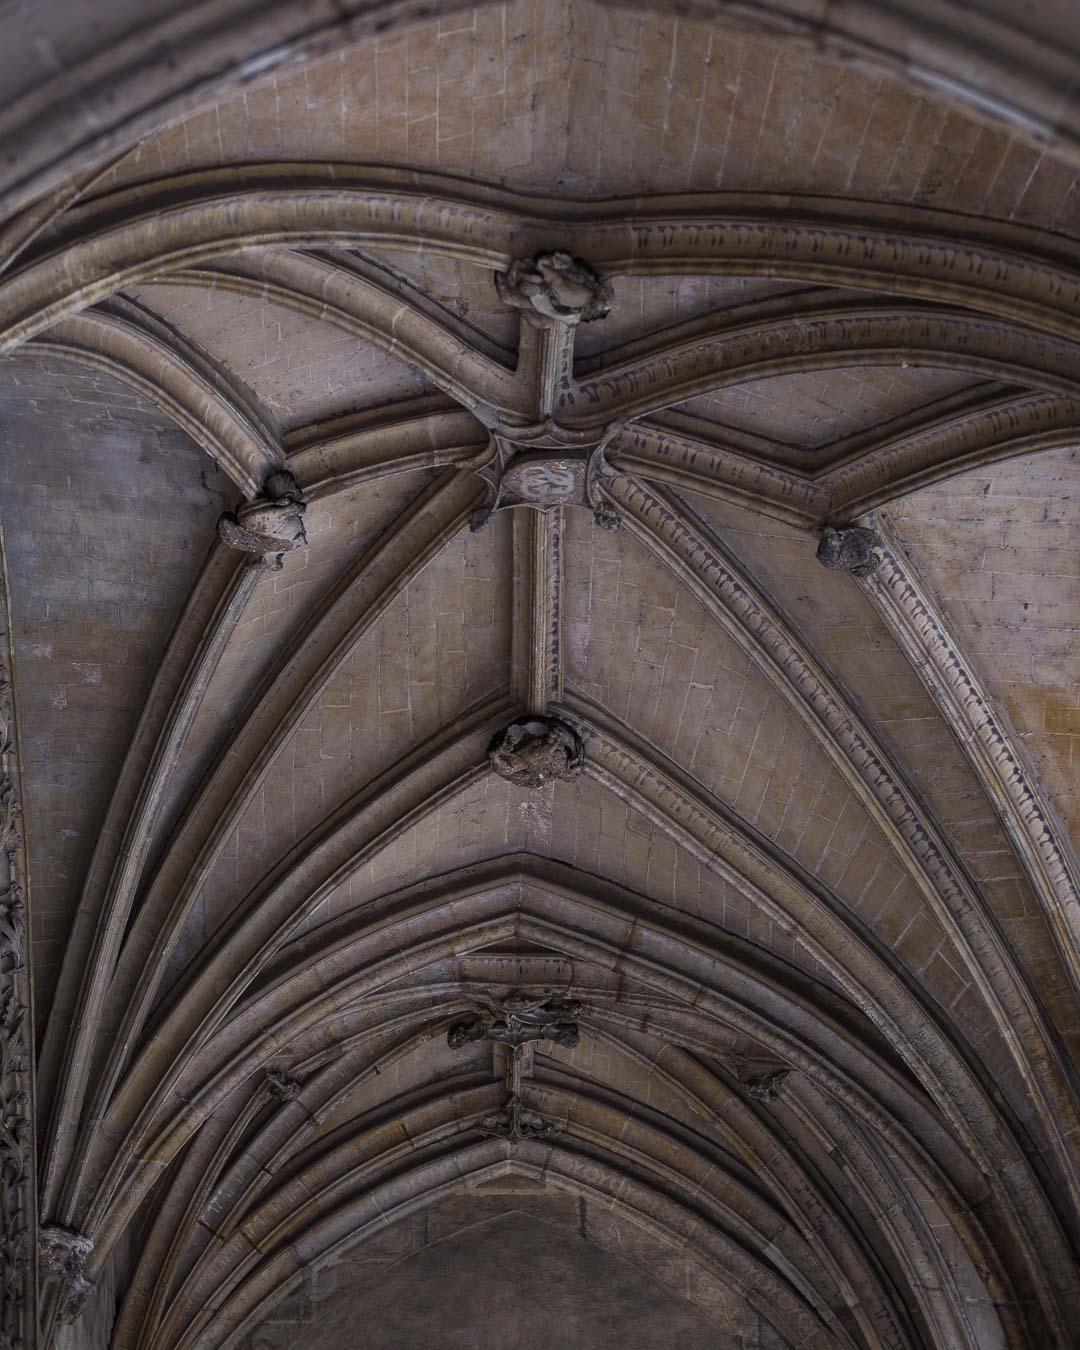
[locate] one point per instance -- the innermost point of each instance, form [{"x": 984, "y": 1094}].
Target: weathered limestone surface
[
  {"x": 540, "y": 738},
  {"x": 108, "y": 513},
  {"x": 1002, "y": 545}
]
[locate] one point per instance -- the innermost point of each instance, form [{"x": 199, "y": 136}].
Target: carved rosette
[
  {"x": 63, "y": 1255},
  {"x": 537, "y": 750},
  {"x": 271, "y": 525},
  {"x": 555, "y": 286},
  {"x": 17, "y": 1206},
  {"x": 850, "y": 549},
  {"x": 519, "y": 1018}
]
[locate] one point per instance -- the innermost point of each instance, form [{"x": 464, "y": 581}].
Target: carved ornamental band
[{"x": 17, "y": 1204}]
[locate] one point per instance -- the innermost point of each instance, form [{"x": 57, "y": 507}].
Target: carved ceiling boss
[
  {"x": 849, "y": 549},
  {"x": 518, "y": 1019},
  {"x": 535, "y": 750},
  {"x": 281, "y": 1086},
  {"x": 515, "y": 1021},
  {"x": 516, "y": 1123},
  {"x": 542, "y": 464},
  {"x": 269, "y": 526},
  {"x": 555, "y": 286}
]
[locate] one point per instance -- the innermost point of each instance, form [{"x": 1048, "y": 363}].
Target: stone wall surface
[
  {"x": 109, "y": 511},
  {"x": 1002, "y": 544},
  {"x": 599, "y": 101},
  {"x": 539, "y": 742}
]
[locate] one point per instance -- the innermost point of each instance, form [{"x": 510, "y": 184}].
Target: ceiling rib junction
[{"x": 556, "y": 789}]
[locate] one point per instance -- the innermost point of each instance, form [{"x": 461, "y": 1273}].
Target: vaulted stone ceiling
[{"x": 541, "y": 741}]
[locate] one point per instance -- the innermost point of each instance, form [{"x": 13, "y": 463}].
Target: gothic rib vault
[{"x": 540, "y": 703}]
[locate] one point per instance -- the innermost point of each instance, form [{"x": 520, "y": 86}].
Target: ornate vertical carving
[
  {"x": 538, "y": 596},
  {"x": 18, "y": 1323}
]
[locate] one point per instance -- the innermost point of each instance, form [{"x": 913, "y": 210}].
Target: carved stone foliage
[
  {"x": 515, "y": 1123},
  {"x": 852, "y": 549},
  {"x": 555, "y": 286},
  {"x": 63, "y": 1254},
  {"x": 281, "y": 1086},
  {"x": 544, "y": 481},
  {"x": 535, "y": 750},
  {"x": 16, "y": 1108},
  {"x": 519, "y": 1018},
  {"x": 271, "y": 525}
]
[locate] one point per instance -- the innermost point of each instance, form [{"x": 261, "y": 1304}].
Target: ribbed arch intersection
[
  {"x": 409, "y": 1016},
  {"x": 793, "y": 915}
]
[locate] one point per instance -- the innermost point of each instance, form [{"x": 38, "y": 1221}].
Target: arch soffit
[
  {"x": 117, "y": 93},
  {"x": 991, "y": 267},
  {"x": 157, "y": 1150},
  {"x": 88, "y": 344},
  {"x": 354, "y": 1218},
  {"x": 335, "y": 1069},
  {"x": 517, "y": 1207}
]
